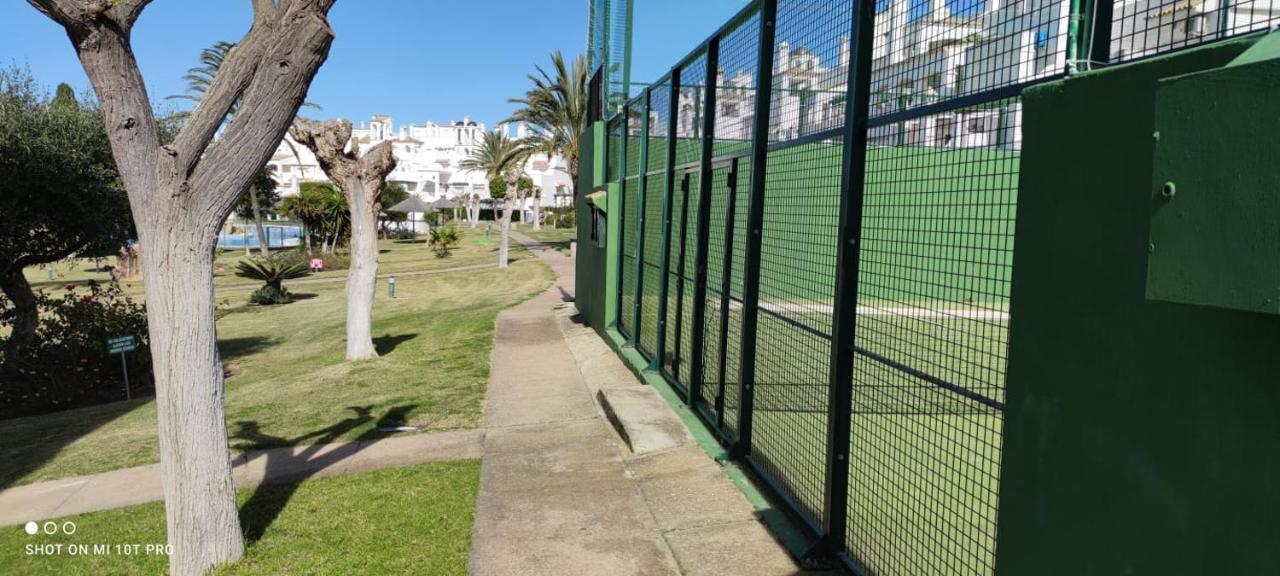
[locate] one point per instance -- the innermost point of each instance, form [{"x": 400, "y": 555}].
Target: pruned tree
[
  {"x": 501, "y": 157},
  {"x": 361, "y": 177},
  {"x": 180, "y": 194}
]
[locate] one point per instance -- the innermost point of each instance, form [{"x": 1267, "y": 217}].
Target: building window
[{"x": 1195, "y": 25}]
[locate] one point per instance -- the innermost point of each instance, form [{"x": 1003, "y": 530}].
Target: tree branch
[
  {"x": 99, "y": 30},
  {"x": 378, "y": 162},
  {"x": 328, "y": 141},
  {"x": 282, "y": 69},
  {"x": 229, "y": 84}
]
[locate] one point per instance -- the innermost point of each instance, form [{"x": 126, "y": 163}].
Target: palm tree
[
  {"x": 498, "y": 156},
  {"x": 556, "y": 107},
  {"x": 199, "y": 80}
]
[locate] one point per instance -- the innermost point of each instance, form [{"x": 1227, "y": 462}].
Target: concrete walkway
[
  {"x": 560, "y": 494},
  {"x": 119, "y": 488}
]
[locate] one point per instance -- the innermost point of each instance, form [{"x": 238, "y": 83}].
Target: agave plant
[{"x": 272, "y": 274}]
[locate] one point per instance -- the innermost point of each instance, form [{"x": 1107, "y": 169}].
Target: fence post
[
  {"x": 726, "y": 288},
  {"x": 622, "y": 211},
  {"x": 844, "y": 320},
  {"x": 668, "y": 199},
  {"x": 640, "y": 189},
  {"x": 677, "y": 358},
  {"x": 755, "y": 223},
  {"x": 696, "y": 367}
]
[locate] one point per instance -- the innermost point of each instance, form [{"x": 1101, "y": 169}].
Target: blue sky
[{"x": 416, "y": 60}]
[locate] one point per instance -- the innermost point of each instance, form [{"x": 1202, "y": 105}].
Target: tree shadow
[
  {"x": 408, "y": 242},
  {"x": 387, "y": 344},
  {"x": 287, "y": 465},
  {"x": 233, "y": 348},
  {"x": 30, "y": 442},
  {"x": 295, "y": 296}
]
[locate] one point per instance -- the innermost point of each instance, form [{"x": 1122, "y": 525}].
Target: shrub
[
  {"x": 444, "y": 239},
  {"x": 333, "y": 261},
  {"x": 272, "y": 273},
  {"x": 562, "y": 217},
  {"x": 405, "y": 234},
  {"x": 269, "y": 296},
  {"x": 68, "y": 366}
]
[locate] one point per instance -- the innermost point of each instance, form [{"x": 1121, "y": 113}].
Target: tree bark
[
  {"x": 257, "y": 220},
  {"x": 504, "y": 243},
  {"x": 537, "y": 209},
  {"x": 26, "y": 317},
  {"x": 195, "y": 466},
  {"x": 362, "y": 278}
]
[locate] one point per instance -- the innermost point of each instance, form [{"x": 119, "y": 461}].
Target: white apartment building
[
  {"x": 927, "y": 51},
  {"x": 428, "y": 161}
]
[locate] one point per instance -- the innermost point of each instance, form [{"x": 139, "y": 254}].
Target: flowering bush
[{"x": 68, "y": 366}]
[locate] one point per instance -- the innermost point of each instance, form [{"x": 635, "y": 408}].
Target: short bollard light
[{"x": 391, "y": 287}]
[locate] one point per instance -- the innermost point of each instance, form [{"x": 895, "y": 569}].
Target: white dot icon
[{"x": 32, "y": 528}]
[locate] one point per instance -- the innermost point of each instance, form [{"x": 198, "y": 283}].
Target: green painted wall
[
  {"x": 590, "y": 292},
  {"x": 1142, "y": 437}
]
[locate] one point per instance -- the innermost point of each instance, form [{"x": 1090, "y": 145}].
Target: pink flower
[{"x": 71, "y": 287}]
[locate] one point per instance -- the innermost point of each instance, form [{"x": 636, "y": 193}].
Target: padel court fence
[{"x": 818, "y": 210}]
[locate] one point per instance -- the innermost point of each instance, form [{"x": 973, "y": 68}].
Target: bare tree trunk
[
  {"x": 473, "y": 210},
  {"x": 257, "y": 220},
  {"x": 128, "y": 262},
  {"x": 245, "y": 234},
  {"x": 537, "y": 210},
  {"x": 573, "y": 178},
  {"x": 504, "y": 244},
  {"x": 26, "y": 318},
  {"x": 362, "y": 278},
  {"x": 200, "y": 504}
]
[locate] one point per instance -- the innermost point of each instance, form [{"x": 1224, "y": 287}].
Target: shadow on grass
[
  {"x": 407, "y": 242},
  {"x": 233, "y": 348},
  {"x": 30, "y": 442},
  {"x": 387, "y": 344},
  {"x": 286, "y": 468}
]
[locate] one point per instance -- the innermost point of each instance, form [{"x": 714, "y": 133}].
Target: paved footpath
[
  {"x": 561, "y": 495},
  {"x": 130, "y": 486}
]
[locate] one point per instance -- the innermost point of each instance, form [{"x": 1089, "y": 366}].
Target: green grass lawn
[
  {"x": 414, "y": 520},
  {"x": 558, "y": 238},
  {"x": 398, "y": 257},
  {"x": 288, "y": 382}
]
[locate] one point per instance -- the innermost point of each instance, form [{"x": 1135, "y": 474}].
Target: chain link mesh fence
[{"x": 731, "y": 282}]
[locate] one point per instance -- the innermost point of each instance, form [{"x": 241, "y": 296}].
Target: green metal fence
[{"x": 822, "y": 267}]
